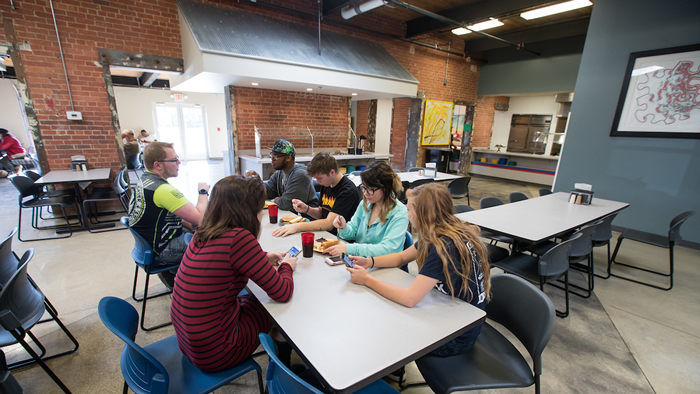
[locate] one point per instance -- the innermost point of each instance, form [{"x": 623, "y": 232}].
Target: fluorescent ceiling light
[
  {"x": 309, "y": 89},
  {"x": 478, "y": 27},
  {"x": 354, "y": 94},
  {"x": 254, "y": 84},
  {"x": 645, "y": 70},
  {"x": 555, "y": 9}
]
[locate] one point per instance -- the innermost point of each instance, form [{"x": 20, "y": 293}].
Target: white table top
[
  {"x": 68, "y": 176},
  {"x": 541, "y": 218},
  {"x": 412, "y": 177},
  {"x": 350, "y": 334}
]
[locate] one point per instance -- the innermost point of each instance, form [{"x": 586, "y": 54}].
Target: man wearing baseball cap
[{"x": 289, "y": 181}]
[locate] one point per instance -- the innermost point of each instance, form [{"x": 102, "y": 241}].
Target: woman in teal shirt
[{"x": 380, "y": 222}]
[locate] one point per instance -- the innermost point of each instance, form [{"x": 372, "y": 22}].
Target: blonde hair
[
  {"x": 434, "y": 219},
  {"x": 155, "y": 151},
  {"x": 380, "y": 176}
]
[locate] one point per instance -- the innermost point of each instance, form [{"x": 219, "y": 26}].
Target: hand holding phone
[
  {"x": 293, "y": 251},
  {"x": 347, "y": 261}
]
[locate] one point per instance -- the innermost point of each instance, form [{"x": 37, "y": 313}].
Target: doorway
[{"x": 185, "y": 126}]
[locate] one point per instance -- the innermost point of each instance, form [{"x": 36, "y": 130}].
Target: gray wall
[{"x": 660, "y": 178}]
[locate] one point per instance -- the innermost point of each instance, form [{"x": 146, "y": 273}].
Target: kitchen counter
[
  {"x": 263, "y": 165},
  {"x": 528, "y": 155},
  {"x": 528, "y": 167}
]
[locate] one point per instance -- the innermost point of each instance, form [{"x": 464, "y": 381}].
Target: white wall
[
  {"x": 535, "y": 105},
  {"x": 383, "y": 137},
  {"x": 11, "y": 118},
  {"x": 136, "y": 112}
]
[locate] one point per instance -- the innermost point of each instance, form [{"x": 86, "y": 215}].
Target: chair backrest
[
  {"x": 419, "y": 182},
  {"x": 415, "y": 169},
  {"x": 19, "y": 300},
  {"x": 25, "y": 186},
  {"x": 142, "y": 252},
  {"x": 459, "y": 185},
  {"x": 461, "y": 208},
  {"x": 555, "y": 262},
  {"x": 280, "y": 380},
  {"x": 409, "y": 241},
  {"x": 516, "y": 196},
  {"x": 488, "y": 202},
  {"x": 544, "y": 191},
  {"x": 674, "y": 231},
  {"x": 525, "y": 311},
  {"x": 8, "y": 260},
  {"x": 603, "y": 231},
  {"x": 583, "y": 245},
  {"x": 141, "y": 370},
  {"x": 32, "y": 175}
]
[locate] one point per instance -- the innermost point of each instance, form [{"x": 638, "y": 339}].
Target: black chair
[
  {"x": 41, "y": 192},
  {"x": 602, "y": 236},
  {"x": 461, "y": 208},
  {"x": 26, "y": 188},
  {"x": 489, "y": 202},
  {"x": 516, "y": 196},
  {"x": 21, "y": 307},
  {"x": 496, "y": 253},
  {"x": 666, "y": 242},
  {"x": 581, "y": 250},
  {"x": 544, "y": 191},
  {"x": 120, "y": 191},
  {"x": 8, "y": 383},
  {"x": 551, "y": 266},
  {"x": 459, "y": 188},
  {"x": 415, "y": 169},
  {"x": 494, "y": 362},
  {"x": 419, "y": 182},
  {"x": 405, "y": 185}
]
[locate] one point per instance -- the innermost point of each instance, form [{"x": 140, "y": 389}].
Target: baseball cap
[{"x": 284, "y": 147}]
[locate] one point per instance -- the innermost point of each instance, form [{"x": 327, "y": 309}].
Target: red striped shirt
[{"x": 215, "y": 328}]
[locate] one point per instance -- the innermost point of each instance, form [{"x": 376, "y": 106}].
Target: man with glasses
[
  {"x": 157, "y": 210},
  {"x": 339, "y": 196},
  {"x": 289, "y": 181}
]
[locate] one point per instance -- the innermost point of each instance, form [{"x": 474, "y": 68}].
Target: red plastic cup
[
  {"x": 307, "y": 244},
  {"x": 272, "y": 212}
]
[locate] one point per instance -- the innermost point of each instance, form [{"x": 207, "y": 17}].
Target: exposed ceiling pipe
[
  {"x": 352, "y": 10},
  {"x": 461, "y": 24},
  {"x": 65, "y": 73}
]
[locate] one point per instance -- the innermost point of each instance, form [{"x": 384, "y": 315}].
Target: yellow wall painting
[{"x": 436, "y": 123}]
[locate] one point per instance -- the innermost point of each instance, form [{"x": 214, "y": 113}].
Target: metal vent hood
[{"x": 224, "y": 47}]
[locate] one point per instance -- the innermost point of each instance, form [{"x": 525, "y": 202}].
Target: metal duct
[{"x": 350, "y": 11}]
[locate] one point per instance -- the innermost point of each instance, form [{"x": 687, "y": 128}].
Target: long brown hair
[
  {"x": 380, "y": 176},
  {"x": 434, "y": 219},
  {"x": 235, "y": 202}
]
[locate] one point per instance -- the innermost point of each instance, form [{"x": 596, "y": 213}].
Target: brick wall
[
  {"x": 399, "y": 130},
  {"x": 283, "y": 114},
  {"x": 362, "y": 121},
  {"x": 152, "y": 27},
  {"x": 483, "y": 120}
]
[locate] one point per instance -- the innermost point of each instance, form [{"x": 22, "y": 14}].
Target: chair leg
[
  {"x": 126, "y": 388},
  {"x": 40, "y": 361},
  {"x": 537, "y": 383},
  {"x": 261, "y": 389},
  {"x": 133, "y": 290},
  {"x": 608, "y": 275},
  {"x": 19, "y": 225},
  {"x": 143, "y": 308},
  {"x": 566, "y": 296},
  {"x": 667, "y": 275}
]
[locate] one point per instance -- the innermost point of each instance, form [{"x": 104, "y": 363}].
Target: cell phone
[
  {"x": 347, "y": 261},
  {"x": 293, "y": 251},
  {"x": 334, "y": 260}
]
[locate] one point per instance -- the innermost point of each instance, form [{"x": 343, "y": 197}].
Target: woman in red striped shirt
[{"x": 215, "y": 328}]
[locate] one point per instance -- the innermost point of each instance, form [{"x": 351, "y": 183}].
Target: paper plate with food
[
  {"x": 291, "y": 219},
  {"x": 321, "y": 244}
]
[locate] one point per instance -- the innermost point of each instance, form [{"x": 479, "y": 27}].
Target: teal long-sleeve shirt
[{"x": 376, "y": 239}]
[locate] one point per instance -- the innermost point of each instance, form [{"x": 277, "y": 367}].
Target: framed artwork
[
  {"x": 436, "y": 123},
  {"x": 660, "y": 95}
]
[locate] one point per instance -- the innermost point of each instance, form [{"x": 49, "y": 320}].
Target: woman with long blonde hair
[{"x": 449, "y": 254}]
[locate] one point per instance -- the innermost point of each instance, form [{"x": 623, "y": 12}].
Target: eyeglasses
[
  {"x": 276, "y": 157},
  {"x": 368, "y": 190},
  {"x": 175, "y": 160}
]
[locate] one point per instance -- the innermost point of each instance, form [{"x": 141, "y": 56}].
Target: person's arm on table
[
  {"x": 406, "y": 296},
  {"x": 192, "y": 214},
  {"x": 316, "y": 225},
  {"x": 392, "y": 260},
  {"x": 393, "y": 239}
]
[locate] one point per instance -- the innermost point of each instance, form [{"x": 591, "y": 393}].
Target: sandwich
[
  {"x": 324, "y": 244},
  {"x": 291, "y": 219}
]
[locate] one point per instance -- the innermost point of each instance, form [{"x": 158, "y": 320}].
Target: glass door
[{"x": 185, "y": 126}]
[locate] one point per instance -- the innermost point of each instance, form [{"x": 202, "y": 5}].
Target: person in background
[
  {"x": 450, "y": 256},
  {"x": 131, "y": 149},
  {"x": 289, "y": 181},
  {"x": 339, "y": 197},
  {"x": 146, "y": 138},
  {"x": 157, "y": 210},
  {"x": 13, "y": 149},
  {"x": 379, "y": 224},
  {"x": 215, "y": 327}
]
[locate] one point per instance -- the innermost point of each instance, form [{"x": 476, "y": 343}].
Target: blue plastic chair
[
  {"x": 407, "y": 244},
  {"x": 21, "y": 307},
  {"x": 161, "y": 367},
  {"x": 280, "y": 380},
  {"x": 143, "y": 257}
]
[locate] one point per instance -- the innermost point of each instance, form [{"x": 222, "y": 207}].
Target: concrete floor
[{"x": 626, "y": 338}]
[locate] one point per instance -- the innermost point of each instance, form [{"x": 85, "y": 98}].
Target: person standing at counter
[
  {"x": 289, "y": 181},
  {"x": 380, "y": 221},
  {"x": 339, "y": 197}
]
